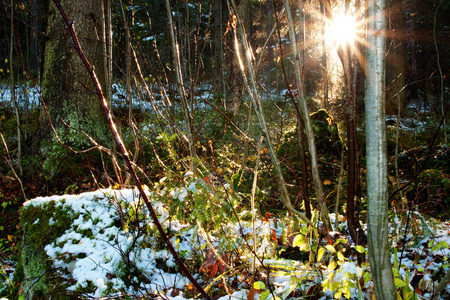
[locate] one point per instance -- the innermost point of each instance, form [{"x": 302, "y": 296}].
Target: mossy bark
[
  {"x": 34, "y": 264},
  {"x": 66, "y": 85}
]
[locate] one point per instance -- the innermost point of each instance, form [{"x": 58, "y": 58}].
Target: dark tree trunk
[
  {"x": 395, "y": 64},
  {"x": 37, "y": 41},
  {"x": 66, "y": 87}
]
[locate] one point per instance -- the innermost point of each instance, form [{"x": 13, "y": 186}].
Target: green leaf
[
  {"x": 360, "y": 249},
  {"x": 259, "y": 285},
  {"x": 264, "y": 295},
  {"x": 335, "y": 286},
  {"x": 340, "y": 256},
  {"x": 360, "y": 293},
  {"x": 409, "y": 295},
  {"x": 366, "y": 277},
  {"x": 330, "y": 248},
  {"x": 341, "y": 240},
  {"x": 399, "y": 283}
]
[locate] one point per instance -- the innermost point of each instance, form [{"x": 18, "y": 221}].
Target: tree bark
[
  {"x": 66, "y": 90},
  {"x": 377, "y": 184}
]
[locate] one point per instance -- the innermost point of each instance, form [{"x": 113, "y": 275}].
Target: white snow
[{"x": 94, "y": 248}]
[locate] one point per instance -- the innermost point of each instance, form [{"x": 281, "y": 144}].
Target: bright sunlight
[{"x": 342, "y": 29}]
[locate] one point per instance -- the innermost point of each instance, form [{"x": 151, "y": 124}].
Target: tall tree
[
  {"x": 320, "y": 194},
  {"x": 180, "y": 86},
  {"x": 395, "y": 66},
  {"x": 377, "y": 184},
  {"x": 246, "y": 66},
  {"x": 66, "y": 87},
  {"x": 236, "y": 87},
  {"x": 13, "y": 92},
  {"x": 346, "y": 52},
  {"x": 218, "y": 48}
]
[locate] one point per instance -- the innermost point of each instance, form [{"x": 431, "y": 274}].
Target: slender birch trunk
[
  {"x": 300, "y": 127},
  {"x": 309, "y": 131},
  {"x": 256, "y": 102},
  {"x": 180, "y": 86},
  {"x": 377, "y": 184}
]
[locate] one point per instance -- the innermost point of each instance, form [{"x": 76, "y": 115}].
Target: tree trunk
[
  {"x": 324, "y": 60},
  {"x": 395, "y": 66},
  {"x": 300, "y": 123},
  {"x": 377, "y": 184},
  {"x": 236, "y": 90},
  {"x": 322, "y": 205},
  {"x": 13, "y": 92},
  {"x": 66, "y": 87},
  {"x": 247, "y": 65},
  {"x": 38, "y": 11},
  {"x": 218, "y": 49},
  {"x": 180, "y": 86}
]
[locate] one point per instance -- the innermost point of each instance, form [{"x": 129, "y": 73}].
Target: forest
[{"x": 224, "y": 149}]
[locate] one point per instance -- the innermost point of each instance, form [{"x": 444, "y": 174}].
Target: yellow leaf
[
  {"x": 330, "y": 248},
  {"x": 332, "y": 266},
  {"x": 360, "y": 249},
  {"x": 320, "y": 253},
  {"x": 347, "y": 292},
  {"x": 259, "y": 285},
  {"x": 340, "y": 256}
]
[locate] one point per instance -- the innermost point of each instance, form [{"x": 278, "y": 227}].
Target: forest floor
[{"x": 420, "y": 252}]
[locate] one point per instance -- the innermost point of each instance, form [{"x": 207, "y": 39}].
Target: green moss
[
  {"x": 86, "y": 233},
  {"x": 42, "y": 225}
]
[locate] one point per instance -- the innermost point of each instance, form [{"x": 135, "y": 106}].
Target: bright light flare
[{"x": 342, "y": 29}]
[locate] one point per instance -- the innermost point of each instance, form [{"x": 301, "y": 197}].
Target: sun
[{"x": 342, "y": 29}]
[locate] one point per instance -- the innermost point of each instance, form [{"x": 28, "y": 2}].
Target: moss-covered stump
[
  {"x": 96, "y": 244},
  {"x": 52, "y": 225},
  {"x": 43, "y": 223}
]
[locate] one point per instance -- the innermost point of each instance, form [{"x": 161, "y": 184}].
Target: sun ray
[{"x": 343, "y": 29}]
